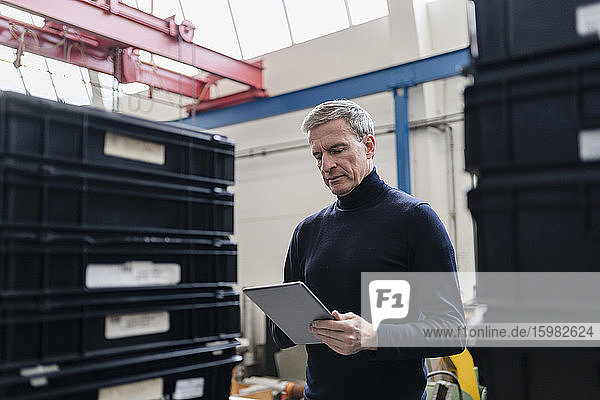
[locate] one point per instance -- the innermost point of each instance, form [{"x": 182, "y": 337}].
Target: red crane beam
[
  {"x": 135, "y": 70},
  {"x": 86, "y": 51},
  {"x": 129, "y": 27},
  {"x": 227, "y": 101},
  {"x": 48, "y": 43}
]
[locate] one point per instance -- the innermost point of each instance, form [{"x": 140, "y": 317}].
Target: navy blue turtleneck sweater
[{"x": 375, "y": 228}]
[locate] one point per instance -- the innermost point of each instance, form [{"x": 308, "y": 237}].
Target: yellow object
[{"x": 465, "y": 372}]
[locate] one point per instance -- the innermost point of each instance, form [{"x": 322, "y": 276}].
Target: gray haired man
[{"x": 371, "y": 227}]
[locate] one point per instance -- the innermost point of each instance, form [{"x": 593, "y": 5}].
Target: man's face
[{"x": 342, "y": 159}]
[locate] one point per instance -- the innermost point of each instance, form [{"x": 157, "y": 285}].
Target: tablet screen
[{"x": 292, "y": 307}]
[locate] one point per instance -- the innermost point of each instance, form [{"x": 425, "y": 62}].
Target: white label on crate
[
  {"x": 151, "y": 389},
  {"x": 133, "y": 149},
  {"x": 589, "y": 145},
  {"x": 587, "y": 19},
  {"x": 188, "y": 389},
  {"x": 217, "y": 343},
  {"x": 39, "y": 370},
  {"x": 39, "y": 381},
  {"x": 132, "y": 274},
  {"x": 126, "y": 325}
]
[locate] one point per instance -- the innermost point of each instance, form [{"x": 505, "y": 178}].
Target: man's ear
[{"x": 369, "y": 141}]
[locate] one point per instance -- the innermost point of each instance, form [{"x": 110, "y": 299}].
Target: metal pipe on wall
[
  {"x": 402, "y": 131},
  {"x": 380, "y": 130}
]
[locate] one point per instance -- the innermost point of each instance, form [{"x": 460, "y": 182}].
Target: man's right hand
[{"x": 347, "y": 335}]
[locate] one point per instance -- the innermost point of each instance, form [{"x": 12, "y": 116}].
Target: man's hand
[{"x": 347, "y": 335}]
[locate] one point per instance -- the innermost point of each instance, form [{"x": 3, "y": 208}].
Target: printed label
[
  {"x": 39, "y": 370},
  {"x": 589, "y": 145},
  {"x": 217, "y": 343},
  {"x": 133, "y": 149},
  {"x": 126, "y": 325},
  {"x": 188, "y": 389},
  {"x": 587, "y": 19},
  {"x": 132, "y": 274},
  {"x": 151, "y": 389},
  {"x": 39, "y": 381}
]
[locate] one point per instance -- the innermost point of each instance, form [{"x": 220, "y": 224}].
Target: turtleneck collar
[{"x": 370, "y": 187}]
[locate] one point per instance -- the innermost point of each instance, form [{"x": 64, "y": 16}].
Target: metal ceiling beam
[
  {"x": 85, "y": 51},
  {"x": 400, "y": 76},
  {"x": 63, "y": 46},
  {"x": 396, "y": 79},
  {"x": 129, "y": 27},
  {"x": 228, "y": 101},
  {"x": 135, "y": 70}
]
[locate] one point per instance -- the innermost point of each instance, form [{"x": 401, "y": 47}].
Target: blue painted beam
[
  {"x": 402, "y": 131},
  {"x": 401, "y": 76}
]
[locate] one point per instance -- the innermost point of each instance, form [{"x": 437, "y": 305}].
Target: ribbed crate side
[
  {"x": 538, "y": 221},
  {"x": 54, "y": 132},
  {"x": 537, "y": 114},
  {"x": 201, "y": 373},
  {"x": 510, "y": 30},
  {"x": 48, "y": 329},
  {"x": 37, "y": 195}
]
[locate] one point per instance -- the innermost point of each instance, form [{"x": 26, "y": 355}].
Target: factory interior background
[{"x": 301, "y": 45}]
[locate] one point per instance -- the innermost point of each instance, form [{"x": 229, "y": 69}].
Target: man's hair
[{"x": 357, "y": 117}]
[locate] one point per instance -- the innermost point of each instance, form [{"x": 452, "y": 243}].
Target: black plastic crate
[
  {"x": 57, "y": 262},
  {"x": 538, "y": 373},
  {"x": 57, "y": 328},
  {"x": 519, "y": 29},
  {"x": 86, "y": 137},
  {"x": 538, "y": 221},
  {"x": 38, "y": 195},
  {"x": 201, "y": 372},
  {"x": 538, "y": 114}
]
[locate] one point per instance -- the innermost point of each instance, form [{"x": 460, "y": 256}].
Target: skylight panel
[
  {"x": 22, "y": 16},
  {"x": 166, "y": 8},
  {"x": 36, "y": 76},
  {"x": 69, "y": 83},
  {"x": 9, "y": 76},
  {"x": 261, "y": 26},
  {"x": 175, "y": 66},
  {"x": 363, "y": 11},
  {"x": 106, "y": 89},
  {"x": 7, "y": 54},
  {"x": 310, "y": 19},
  {"x": 214, "y": 26},
  {"x": 133, "y": 88},
  {"x": 142, "y": 5}
]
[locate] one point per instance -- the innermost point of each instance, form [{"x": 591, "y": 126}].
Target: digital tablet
[{"x": 292, "y": 306}]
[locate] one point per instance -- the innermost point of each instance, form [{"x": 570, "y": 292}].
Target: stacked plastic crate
[
  {"x": 532, "y": 126},
  {"x": 116, "y": 267}
]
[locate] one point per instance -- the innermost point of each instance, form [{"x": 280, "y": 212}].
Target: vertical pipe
[
  {"x": 402, "y": 131},
  {"x": 451, "y": 183}
]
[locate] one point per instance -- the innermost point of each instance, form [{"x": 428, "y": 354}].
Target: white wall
[
  {"x": 276, "y": 191},
  {"x": 370, "y": 46}
]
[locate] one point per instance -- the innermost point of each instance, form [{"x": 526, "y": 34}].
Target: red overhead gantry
[{"x": 106, "y": 36}]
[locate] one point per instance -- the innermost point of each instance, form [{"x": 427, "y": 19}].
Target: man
[{"x": 372, "y": 227}]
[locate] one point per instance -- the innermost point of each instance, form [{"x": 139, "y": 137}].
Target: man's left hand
[{"x": 347, "y": 335}]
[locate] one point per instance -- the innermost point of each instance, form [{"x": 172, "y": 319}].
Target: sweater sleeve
[
  {"x": 438, "y": 299},
  {"x": 292, "y": 272}
]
